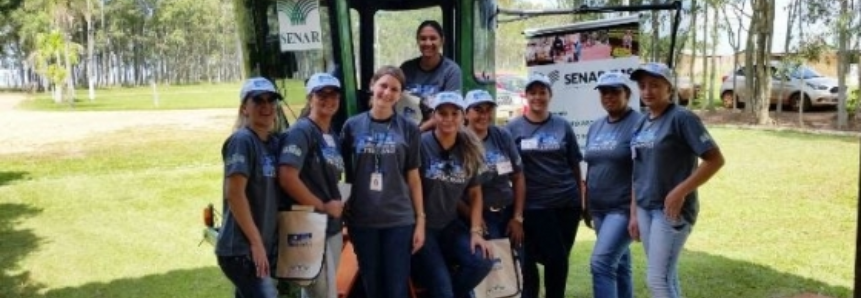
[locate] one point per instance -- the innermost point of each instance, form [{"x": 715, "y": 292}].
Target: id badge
[
  {"x": 503, "y": 167},
  {"x": 529, "y": 144},
  {"x": 376, "y": 181},
  {"x": 330, "y": 141}
]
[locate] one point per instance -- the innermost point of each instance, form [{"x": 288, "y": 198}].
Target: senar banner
[
  {"x": 573, "y": 56},
  {"x": 299, "y": 25}
]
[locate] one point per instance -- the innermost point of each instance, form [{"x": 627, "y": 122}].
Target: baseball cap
[
  {"x": 538, "y": 78},
  {"x": 612, "y": 79},
  {"x": 448, "y": 97},
  {"x": 256, "y": 86},
  {"x": 477, "y": 97},
  {"x": 319, "y": 81},
  {"x": 653, "y": 69}
]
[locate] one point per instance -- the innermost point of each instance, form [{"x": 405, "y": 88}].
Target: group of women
[{"x": 423, "y": 204}]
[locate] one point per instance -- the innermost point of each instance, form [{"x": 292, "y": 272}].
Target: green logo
[{"x": 297, "y": 10}]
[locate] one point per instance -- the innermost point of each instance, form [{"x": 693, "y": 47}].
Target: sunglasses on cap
[{"x": 260, "y": 99}]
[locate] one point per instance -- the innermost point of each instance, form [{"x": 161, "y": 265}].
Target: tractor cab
[{"x": 342, "y": 36}]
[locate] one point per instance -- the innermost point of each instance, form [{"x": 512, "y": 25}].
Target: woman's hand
[
  {"x": 673, "y": 204},
  {"x": 515, "y": 232},
  {"x": 418, "y": 236},
  {"x": 476, "y": 241},
  {"x": 261, "y": 260},
  {"x": 334, "y": 208},
  {"x": 634, "y": 228}
]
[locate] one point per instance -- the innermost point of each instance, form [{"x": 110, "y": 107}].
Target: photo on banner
[{"x": 574, "y": 56}]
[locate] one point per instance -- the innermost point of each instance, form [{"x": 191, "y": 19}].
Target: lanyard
[{"x": 378, "y": 140}]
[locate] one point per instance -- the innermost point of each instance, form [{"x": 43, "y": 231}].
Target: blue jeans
[
  {"x": 548, "y": 239},
  {"x": 242, "y": 272},
  {"x": 611, "y": 257},
  {"x": 444, "y": 247},
  {"x": 663, "y": 241},
  {"x": 384, "y": 259}
]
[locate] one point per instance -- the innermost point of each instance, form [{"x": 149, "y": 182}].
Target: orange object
[{"x": 208, "y": 216}]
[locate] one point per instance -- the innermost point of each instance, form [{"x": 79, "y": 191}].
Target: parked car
[
  {"x": 687, "y": 90},
  {"x": 797, "y": 86},
  {"x": 510, "y": 97}
]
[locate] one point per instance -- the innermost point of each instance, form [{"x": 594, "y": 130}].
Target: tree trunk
[
  {"x": 694, "y": 38},
  {"x": 765, "y": 29},
  {"x": 842, "y": 63},
  {"x": 88, "y": 16},
  {"x": 789, "y": 22},
  {"x": 750, "y": 65},
  {"x": 704, "y": 71},
  {"x": 656, "y": 37},
  {"x": 713, "y": 71}
]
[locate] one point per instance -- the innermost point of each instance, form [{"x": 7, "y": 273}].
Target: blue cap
[
  {"x": 653, "y": 69},
  {"x": 612, "y": 80},
  {"x": 319, "y": 81},
  {"x": 477, "y": 97},
  {"x": 448, "y": 97},
  {"x": 540, "y": 78},
  {"x": 256, "y": 86}
]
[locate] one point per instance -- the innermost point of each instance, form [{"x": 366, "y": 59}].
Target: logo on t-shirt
[
  {"x": 292, "y": 149},
  {"x": 705, "y": 137},
  {"x": 333, "y": 158},
  {"x": 450, "y": 171},
  {"x": 605, "y": 141},
  {"x": 542, "y": 142},
  {"x": 234, "y": 159},
  {"x": 268, "y": 166},
  {"x": 644, "y": 139},
  {"x": 377, "y": 143}
]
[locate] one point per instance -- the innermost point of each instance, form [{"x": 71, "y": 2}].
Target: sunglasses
[{"x": 267, "y": 99}]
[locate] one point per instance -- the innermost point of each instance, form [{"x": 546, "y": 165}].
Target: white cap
[
  {"x": 448, "y": 97},
  {"x": 321, "y": 80},
  {"x": 256, "y": 86},
  {"x": 537, "y": 77},
  {"x": 654, "y": 69},
  {"x": 613, "y": 80},
  {"x": 477, "y": 97}
]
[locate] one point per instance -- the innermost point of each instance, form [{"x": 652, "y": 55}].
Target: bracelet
[
  {"x": 420, "y": 215},
  {"x": 478, "y": 231}
]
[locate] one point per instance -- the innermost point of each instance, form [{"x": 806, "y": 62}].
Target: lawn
[
  {"x": 111, "y": 217},
  {"x": 202, "y": 96}
]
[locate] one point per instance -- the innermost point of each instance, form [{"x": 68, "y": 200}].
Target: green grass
[
  {"x": 115, "y": 217},
  {"x": 170, "y": 98}
]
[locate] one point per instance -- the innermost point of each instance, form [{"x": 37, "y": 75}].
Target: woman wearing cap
[
  {"x": 551, "y": 164},
  {"x": 452, "y": 159},
  {"x": 431, "y": 72},
  {"x": 385, "y": 215},
  {"x": 503, "y": 190},
  {"x": 248, "y": 234},
  {"x": 608, "y": 188},
  {"x": 310, "y": 166},
  {"x": 666, "y": 148}
]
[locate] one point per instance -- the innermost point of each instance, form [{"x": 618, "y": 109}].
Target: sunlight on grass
[
  {"x": 119, "y": 215},
  {"x": 201, "y": 96}
]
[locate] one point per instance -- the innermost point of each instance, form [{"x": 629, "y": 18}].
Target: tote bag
[
  {"x": 504, "y": 279},
  {"x": 301, "y": 244}
]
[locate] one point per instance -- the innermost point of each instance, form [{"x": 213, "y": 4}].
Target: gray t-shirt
[
  {"x": 665, "y": 152},
  {"x": 245, "y": 154},
  {"x": 390, "y": 148},
  {"x": 301, "y": 148},
  {"x": 550, "y": 153},
  {"x": 608, "y": 154},
  {"x": 445, "y": 77},
  {"x": 444, "y": 181},
  {"x": 503, "y": 160}
]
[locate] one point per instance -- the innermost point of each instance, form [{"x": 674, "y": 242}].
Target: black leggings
[{"x": 549, "y": 237}]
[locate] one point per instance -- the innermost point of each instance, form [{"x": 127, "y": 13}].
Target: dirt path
[{"x": 25, "y": 131}]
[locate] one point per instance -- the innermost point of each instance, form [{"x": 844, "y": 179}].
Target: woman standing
[
  {"x": 431, "y": 72},
  {"x": 666, "y": 148},
  {"x": 310, "y": 166},
  {"x": 608, "y": 188},
  {"x": 385, "y": 213},
  {"x": 451, "y": 163},
  {"x": 503, "y": 190},
  {"x": 551, "y": 165},
  {"x": 248, "y": 235}
]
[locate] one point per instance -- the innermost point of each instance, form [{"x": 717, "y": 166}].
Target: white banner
[
  {"x": 299, "y": 25},
  {"x": 574, "y": 56}
]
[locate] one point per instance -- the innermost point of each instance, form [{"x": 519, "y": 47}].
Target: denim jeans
[
  {"x": 611, "y": 257},
  {"x": 325, "y": 286},
  {"x": 549, "y": 236},
  {"x": 446, "y": 247},
  {"x": 242, "y": 272},
  {"x": 384, "y": 259},
  {"x": 663, "y": 241}
]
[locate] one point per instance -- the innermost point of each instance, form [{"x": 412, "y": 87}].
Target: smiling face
[
  {"x": 614, "y": 99},
  {"x": 654, "y": 90},
  {"x": 386, "y": 92},
  {"x": 429, "y": 40},
  {"x": 260, "y": 110},
  {"x": 448, "y": 118},
  {"x": 479, "y": 116},
  {"x": 325, "y": 102},
  {"x": 538, "y": 97}
]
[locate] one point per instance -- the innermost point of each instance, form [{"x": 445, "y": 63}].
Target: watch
[{"x": 518, "y": 218}]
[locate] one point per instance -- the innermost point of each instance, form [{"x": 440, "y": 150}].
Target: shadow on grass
[
  {"x": 202, "y": 282},
  {"x": 705, "y": 275},
  {"x": 15, "y": 245},
  {"x": 8, "y": 177}
]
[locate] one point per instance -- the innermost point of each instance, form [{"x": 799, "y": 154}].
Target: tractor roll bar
[{"x": 675, "y": 5}]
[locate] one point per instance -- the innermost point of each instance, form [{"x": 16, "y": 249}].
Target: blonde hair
[
  {"x": 473, "y": 151},
  {"x": 279, "y": 126}
]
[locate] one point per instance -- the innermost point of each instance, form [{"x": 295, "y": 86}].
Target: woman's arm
[
  {"x": 288, "y": 177},
  {"x": 415, "y": 183},
  {"x": 518, "y": 184},
  {"x": 240, "y": 209},
  {"x": 712, "y": 161},
  {"x": 476, "y": 207}
]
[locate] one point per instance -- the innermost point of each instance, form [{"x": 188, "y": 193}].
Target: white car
[{"x": 801, "y": 87}]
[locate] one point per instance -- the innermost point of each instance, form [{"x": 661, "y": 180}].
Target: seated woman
[{"x": 429, "y": 73}]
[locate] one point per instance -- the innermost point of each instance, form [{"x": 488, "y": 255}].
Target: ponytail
[{"x": 473, "y": 151}]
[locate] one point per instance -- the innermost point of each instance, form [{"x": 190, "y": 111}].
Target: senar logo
[{"x": 297, "y": 10}]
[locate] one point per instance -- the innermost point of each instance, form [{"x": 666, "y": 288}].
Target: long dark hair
[{"x": 433, "y": 24}]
